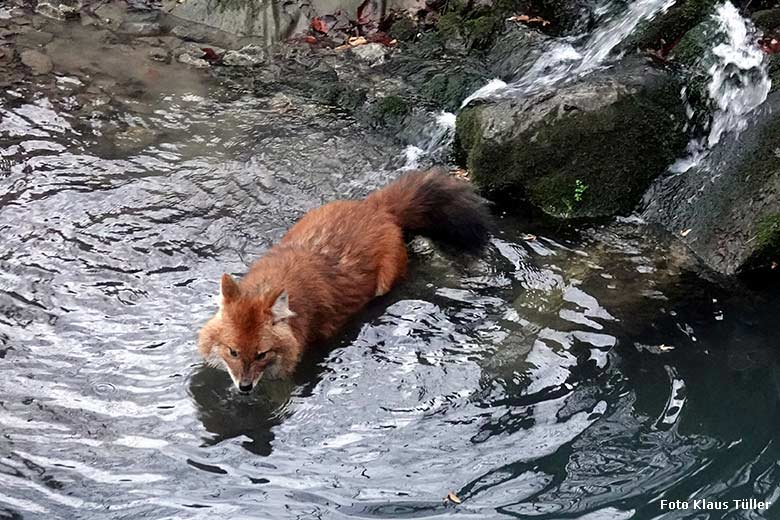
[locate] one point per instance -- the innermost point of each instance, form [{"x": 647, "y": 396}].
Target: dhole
[{"x": 327, "y": 267}]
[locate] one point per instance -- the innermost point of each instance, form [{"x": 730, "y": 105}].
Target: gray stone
[
  {"x": 59, "y": 9},
  {"x": 244, "y": 57},
  {"x": 38, "y": 62},
  {"x": 372, "y": 53},
  {"x": 140, "y": 28},
  {"x": 34, "y": 39}
]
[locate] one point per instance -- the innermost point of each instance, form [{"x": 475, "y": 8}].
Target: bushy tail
[{"x": 436, "y": 204}]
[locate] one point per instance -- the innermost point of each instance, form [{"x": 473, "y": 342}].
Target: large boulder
[
  {"x": 727, "y": 209},
  {"x": 589, "y": 149}
]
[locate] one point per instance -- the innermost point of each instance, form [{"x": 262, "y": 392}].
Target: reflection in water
[{"x": 559, "y": 375}]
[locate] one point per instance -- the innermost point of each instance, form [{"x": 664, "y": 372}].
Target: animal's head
[{"x": 250, "y": 336}]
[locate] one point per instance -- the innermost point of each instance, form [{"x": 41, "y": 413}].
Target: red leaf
[
  {"x": 210, "y": 55},
  {"x": 323, "y": 24}
]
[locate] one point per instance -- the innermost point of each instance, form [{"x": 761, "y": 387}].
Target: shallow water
[{"x": 561, "y": 375}]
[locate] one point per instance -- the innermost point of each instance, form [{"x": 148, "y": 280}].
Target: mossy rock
[
  {"x": 390, "y": 110},
  {"x": 666, "y": 29},
  {"x": 590, "y": 149},
  {"x": 768, "y": 234},
  {"x": 404, "y": 29},
  {"x": 448, "y": 89},
  {"x": 728, "y": 204},
  {"x": 767, "y": 20}
]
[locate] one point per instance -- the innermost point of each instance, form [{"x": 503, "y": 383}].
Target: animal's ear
[
  {"x": 280, "y": 310},
  {"x": 228, "y": 288}
]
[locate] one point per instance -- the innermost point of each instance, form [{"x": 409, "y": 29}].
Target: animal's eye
[
  {"x": 260, "y": 355},
  {"x": 233, "y": 353}
]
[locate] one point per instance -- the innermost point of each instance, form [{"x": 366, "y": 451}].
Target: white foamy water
[
  {"x": 739, "y": 83},
  {"x": 439, "y": 135},
  {"x": 567, "y": 59}
]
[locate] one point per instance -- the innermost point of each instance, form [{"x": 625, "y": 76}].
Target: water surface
[{"x": 562, "y": 374}]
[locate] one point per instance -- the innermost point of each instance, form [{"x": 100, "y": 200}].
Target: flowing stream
[{"x": 562, "y": 374}]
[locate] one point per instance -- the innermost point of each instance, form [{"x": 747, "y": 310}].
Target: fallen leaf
[
  {"x": 529, "y": 20},
  {"x": 461, "y": 173},
  {"x": 310, "y": 39},
  {"x": 210, "y": 55},
  {"x": 323, "y": 24},
  {"x": 452, "y": 497},
  {"x": 357, "y": 40},
  {"x": 684, "y": 233}
]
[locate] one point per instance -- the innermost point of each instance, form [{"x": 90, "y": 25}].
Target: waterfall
[
  {"x": 739, "y": 83},
  {"x": 561, "y": 62}
]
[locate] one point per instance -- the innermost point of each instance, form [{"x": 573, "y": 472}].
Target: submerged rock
[
  {"x": 589, "y": 149},
  {"x": 727, "y": 208}
]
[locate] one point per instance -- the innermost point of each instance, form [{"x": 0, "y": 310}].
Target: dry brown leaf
[
  {"x": 524, "y": 18},
  {"x": 452, "y": 497},
  {"x": 461, "y": 173},
  {"x": 357, "y": 40}
]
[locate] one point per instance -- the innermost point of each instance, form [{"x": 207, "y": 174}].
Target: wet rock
[
  {"x": 244, "y": 57},
  {"x": 38, "y": 62},
  {"x": 191, "y": 33},
  {"x": 516, "y": 50},
  {"x": 767, "y": 20},
  {"x": 666, "y": 29},
  {"x": 34, "y": 39},
  {"x": 192, "y": 61},
  {"x": 6, "y": 55},
  {"x": 192, "y": 54},
  {"x": 59, "y": 9},
  {"x": 140, "y": 28},
  {"x": 372, "y": 53},
  {"x": 159, "y": 54},
  {"x": 588, "y": 149},
  {"x": 728, "y": 214},
  {"x": 113, "y": 13}
]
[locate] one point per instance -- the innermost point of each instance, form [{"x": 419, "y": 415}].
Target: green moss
[
  {"x": 468, "y": 133},
  {"x": 390, "y": 110},
  {"x": 450, "y": 25},
  {"x": 481, "y": 32},
  {"x": 768, "y": 234},
  {"x": 448, "y": 89},
  {"x": 404, "y": 29},
  {"x": 767, "y": 19},
  {"x": 698, "y": 43},
  {"x": 774, "y": 71}
]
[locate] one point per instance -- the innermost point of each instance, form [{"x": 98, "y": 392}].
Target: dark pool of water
[{"x": 560, "y": 375}]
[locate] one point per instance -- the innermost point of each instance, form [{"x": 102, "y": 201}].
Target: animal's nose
[{"x": 245, "y": 387}]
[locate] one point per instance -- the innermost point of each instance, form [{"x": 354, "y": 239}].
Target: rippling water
[{"x": 561, "y": 375}]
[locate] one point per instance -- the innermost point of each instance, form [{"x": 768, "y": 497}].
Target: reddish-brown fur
[{"x": 329, "y": 265}]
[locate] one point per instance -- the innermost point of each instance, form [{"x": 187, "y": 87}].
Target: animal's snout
[{"x": 245, "y": 387}]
